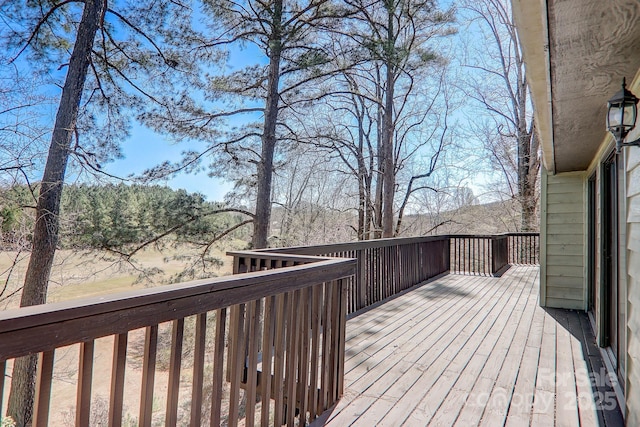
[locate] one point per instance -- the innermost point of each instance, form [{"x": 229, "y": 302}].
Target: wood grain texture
[
  {"x": 469, "y": 351},
  {"x": 198, "y": 369},
  {"x": 44, "y": 379},
  {"x": 116, "y": 396},
  {"x": 175, "y": 363},
  {"x": 38, "y": 328},
  {"x": 148, "y": 375},
  {"x": 218, "y": 366},
  {"x": 3, "y": 368},
  {"x": 85, "y": 375}
]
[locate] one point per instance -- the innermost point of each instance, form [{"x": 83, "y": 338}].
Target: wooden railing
[
  {"x": 491, "y": 254},
  {"x": 385, "y": 267},
  {"x": 264, "y": 346},
  {"x": 276, "y": 336},
  {"x": 524, "y": 248}
]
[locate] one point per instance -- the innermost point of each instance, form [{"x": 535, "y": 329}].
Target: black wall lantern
[{"x": 621, "y": 116}]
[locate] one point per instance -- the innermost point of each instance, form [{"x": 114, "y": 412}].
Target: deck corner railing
[
  {"x": 266, "y": 345},
  {"x": 491, "y": 254},
  {"x": 384, "y": 267},
  {"x": 288, "y": 370}
]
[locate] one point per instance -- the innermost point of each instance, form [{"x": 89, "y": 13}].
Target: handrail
[
  {"x": 283, "y": 299},
  {"x": 385, "y": 267},
  {"x": 29, "y": 329},
  {"x": 277, "y": 326},
  {"x": 356, "y": 245}
]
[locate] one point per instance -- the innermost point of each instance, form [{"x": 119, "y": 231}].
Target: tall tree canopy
[
  {"x": 241, "y": 113},
  {"x": 385, "y": 117},
  {"x": 498, "y": 84},
  {"x": 106, "y": 57}
]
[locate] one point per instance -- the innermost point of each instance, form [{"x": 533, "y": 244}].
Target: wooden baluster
[
  {"x": 305, "y": 331},
  {"x": 253, "y": 334},
  {"x": 267, "y": 357},
  {"x": 236, "y": 358},
  {"x": 85, "y": 375},
  {"x": 278, "y": 370},
  {"x": 218, "y": 367},
  {"x": 44, "y": 378},
  {"x": 342, "y": 323},
  {"x": 292, "y": 356},
  {"x": 316, "y": 316},
  {"x": 531, "y": 247},
  {"x": 117, "y": 379},
  {"x": 454, "y": 242},
  {"x": 175, "y": 362},
  {"x": 467, "y": 254},
  {"x": 335, "y": 341},
  {"x": 198, "y": 369},
  {"x": 381, "y": 275},
  {"x": 3, "y": 368},
  {"x": 463, "y": 256},
  {"x": 148, "y": 375},
  {"x": 388, "y": 272},
  {"x": 326, "y": 350},
  {"x": 487, "y": 257}
]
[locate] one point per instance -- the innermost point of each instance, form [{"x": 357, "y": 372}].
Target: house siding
[
  {"x": 633, "y": 287},
  {"x": 563, "y": 226}
]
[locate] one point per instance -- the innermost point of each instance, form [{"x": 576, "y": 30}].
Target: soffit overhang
[{"x": 576, "y": 53}]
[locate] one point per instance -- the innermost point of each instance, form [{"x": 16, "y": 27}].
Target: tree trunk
[
  {"x": 362, "y": 206},
  {"x": 387, "y": 136},
  {"x": 377, "y": 204},
  {"x": 529, "y": 199},
  {"x": 364, "y": 190},
  {"x": 45, "y": 234},
  {"x": 265, "y": 166}
]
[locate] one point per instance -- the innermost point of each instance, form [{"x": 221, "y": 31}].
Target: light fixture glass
[{"x": 622, "y": 114}]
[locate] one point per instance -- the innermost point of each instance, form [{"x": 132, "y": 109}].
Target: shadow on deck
[{"x": 468, "y": 350}]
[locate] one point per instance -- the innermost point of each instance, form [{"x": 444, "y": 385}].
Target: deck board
[{"x": 470, "y": 350}]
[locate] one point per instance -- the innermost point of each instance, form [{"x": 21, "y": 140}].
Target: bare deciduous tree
[{"x": 500, "y": 86}]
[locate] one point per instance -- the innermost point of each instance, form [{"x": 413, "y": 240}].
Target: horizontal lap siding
[
  {"x": 633, "y": 286},
  {"x": 563, "y": 223}
]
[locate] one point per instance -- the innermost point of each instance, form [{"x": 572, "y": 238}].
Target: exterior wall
[
  {"x": 633, "y": 286},
  {"x": 563, "y": 241}
]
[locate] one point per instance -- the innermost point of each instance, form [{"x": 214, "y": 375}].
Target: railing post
[
  {"x": 499, "y": 253},
  {"x": 446, "y": 256},
  {"x": 360, "y": 280}
]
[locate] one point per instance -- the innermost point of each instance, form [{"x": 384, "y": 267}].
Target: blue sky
[{"x": 145, "y": 149}]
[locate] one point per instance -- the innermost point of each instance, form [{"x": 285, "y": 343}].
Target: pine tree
[{"x": 113, "y": 48}]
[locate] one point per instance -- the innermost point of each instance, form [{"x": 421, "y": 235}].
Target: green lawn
[{"x": 82, "y": 274}]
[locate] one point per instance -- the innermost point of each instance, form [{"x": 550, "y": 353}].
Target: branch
[
  {"x": 40, "y": 23},
  {"x": 171, "y": 63},
  {"x": 226, "y": 232},
  {"x": 128, "y": 255}
]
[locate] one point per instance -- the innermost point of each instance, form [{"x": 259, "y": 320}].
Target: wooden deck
[{"x": 465, "y": 350}]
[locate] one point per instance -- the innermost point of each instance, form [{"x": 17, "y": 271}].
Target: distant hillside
[
  {"x": 490, "y": 218},
  {"x": 311, "y": 224}
]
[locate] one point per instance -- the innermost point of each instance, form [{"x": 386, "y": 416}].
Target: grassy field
[
  {"x": 77, "y": 275},
  {"x": 82, "y": 274}
]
